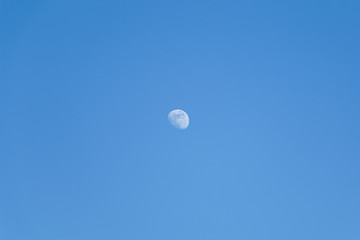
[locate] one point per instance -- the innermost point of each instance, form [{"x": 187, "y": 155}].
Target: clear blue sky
[{"x": 272, "y": 89}]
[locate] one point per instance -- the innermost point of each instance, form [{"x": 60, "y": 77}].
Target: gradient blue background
[{"x": 272, "y": 89}]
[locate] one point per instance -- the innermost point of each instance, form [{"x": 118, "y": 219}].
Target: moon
[{"x": 179, "y": 119}]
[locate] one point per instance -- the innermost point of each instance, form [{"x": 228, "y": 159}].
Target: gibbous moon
[{"x": 179, "y": 119}]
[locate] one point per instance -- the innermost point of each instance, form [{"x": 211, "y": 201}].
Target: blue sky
[{"x": 271, "y": 89}]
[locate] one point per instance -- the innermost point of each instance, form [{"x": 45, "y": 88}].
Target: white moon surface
[{"x": 179, "y": 119}]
